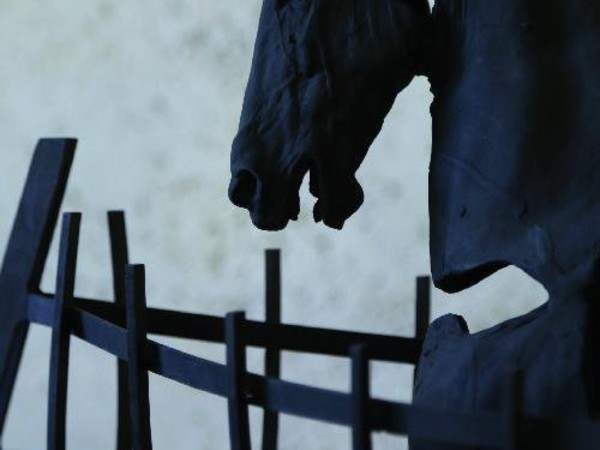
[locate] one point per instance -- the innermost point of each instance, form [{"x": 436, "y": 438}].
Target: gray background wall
[{"x": 153, "y": 91}]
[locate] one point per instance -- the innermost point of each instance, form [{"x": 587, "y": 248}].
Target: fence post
[
  {"x": 26, "y": 253},
  {"x": 422, "y": 311},
  {"x": 61, "y": 332},
  {"x": 139, "y": 405},
  {"x": 239, "y": 428},
  {"x": 270, "y": 429},
  {"x": 361, "y": 430},
  {"x": 512, "y": 405},
  {"x": 119, "y": 259}
]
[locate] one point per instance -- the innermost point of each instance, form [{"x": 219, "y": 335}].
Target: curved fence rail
[{"x": 121, "y": 328}]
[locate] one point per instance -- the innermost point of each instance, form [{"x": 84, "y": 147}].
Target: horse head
[{"x": 324, "y": 75}]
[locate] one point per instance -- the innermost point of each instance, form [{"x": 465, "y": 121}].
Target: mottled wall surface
[{"x": 153, "y": 91}]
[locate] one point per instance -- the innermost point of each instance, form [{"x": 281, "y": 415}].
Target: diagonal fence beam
[{"x": 26, "y": 253}]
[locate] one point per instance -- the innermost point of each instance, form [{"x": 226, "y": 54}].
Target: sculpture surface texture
[{"x": 513, "y": 173}]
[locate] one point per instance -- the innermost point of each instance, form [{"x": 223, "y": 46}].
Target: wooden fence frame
[{"x": 121, "y": 328}]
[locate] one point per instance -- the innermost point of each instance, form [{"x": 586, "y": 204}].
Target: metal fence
[{"x": 121, "y": 328}]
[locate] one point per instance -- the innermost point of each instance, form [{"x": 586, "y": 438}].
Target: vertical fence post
[
  {"x": 239, "y": 428},
  {"x": 61, "y": 332},
  {"x": 272, "y": 355},
  {"x": 361, "y": 431},
  {"x": 139, "y": 405},
  {"x": 120, "y": 258},
  {"x": 422, "y": 311},
  {"x": 512, "y": 404}
]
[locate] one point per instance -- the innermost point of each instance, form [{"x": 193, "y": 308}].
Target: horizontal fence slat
[
  {"x": 192, "y": 371},
  {"x": 278, "y": 336},
  {"x": 482, "y": 428},
  {"x": 166, "y": 361},
  {"x": 299, "y": 400}
]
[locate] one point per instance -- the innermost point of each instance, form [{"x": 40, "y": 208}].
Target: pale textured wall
[{"x": 153, "y": 90}]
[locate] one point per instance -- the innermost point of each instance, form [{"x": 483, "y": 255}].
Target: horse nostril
[{"x": 243, "y": 189}]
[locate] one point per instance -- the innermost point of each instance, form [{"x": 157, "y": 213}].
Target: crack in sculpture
[{"x": 513, "y": 174}]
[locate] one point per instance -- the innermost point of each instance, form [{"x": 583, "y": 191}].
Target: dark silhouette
[
  {"x": 513, "y": 175},
  {"x": 324, "y": 76}
]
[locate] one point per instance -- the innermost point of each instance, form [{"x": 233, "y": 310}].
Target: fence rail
[{"x": 121, "y": 328}]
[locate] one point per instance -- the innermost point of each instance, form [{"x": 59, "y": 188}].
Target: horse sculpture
[{"x": 513, "y": 174}]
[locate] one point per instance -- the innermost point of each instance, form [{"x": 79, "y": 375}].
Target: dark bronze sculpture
[
  {"x": 513, "y": 175},
  {"x": 325, "y": 74}
]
